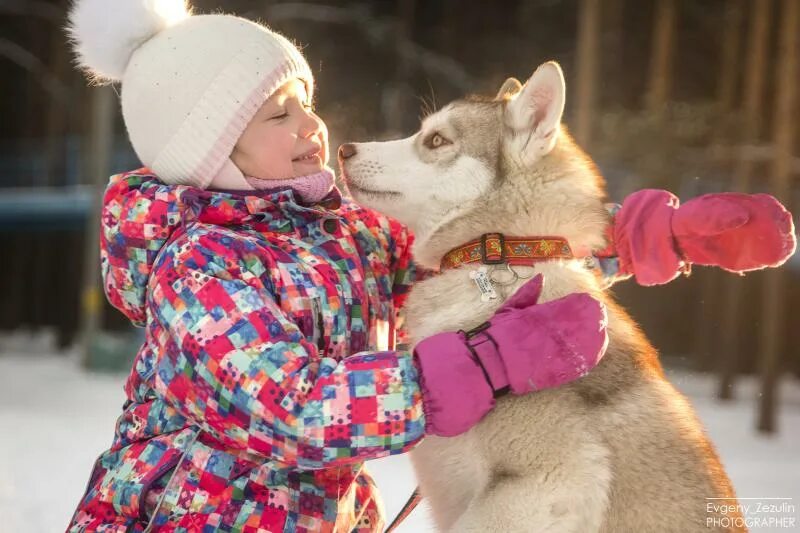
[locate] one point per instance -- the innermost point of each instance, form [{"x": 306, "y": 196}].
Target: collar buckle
[{"x": 485, "y": 259}]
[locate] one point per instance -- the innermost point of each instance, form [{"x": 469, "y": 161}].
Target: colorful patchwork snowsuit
[{"x": 267, "y": 375}]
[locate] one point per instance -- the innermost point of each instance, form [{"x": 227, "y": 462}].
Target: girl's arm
[
  {"x": 233, "y": 362},
  {"x": 654, "y": 238}
]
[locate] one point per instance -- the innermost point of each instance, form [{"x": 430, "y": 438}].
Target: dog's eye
[{"x": 436, "y": 140}]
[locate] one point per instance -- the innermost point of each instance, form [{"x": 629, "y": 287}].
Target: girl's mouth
[{"x": 311, "y": 156}]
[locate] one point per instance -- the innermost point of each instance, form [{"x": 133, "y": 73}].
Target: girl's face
[{"x": 284, "y": 140}]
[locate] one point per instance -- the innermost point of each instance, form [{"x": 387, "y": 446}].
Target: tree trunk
[
  {"x": 729, "y": 356},
  {"x": 101, "y": 136},
  {"x": 588, "y": 64},
  {"x": 397, "y": 94},
  {"x": 731, "y": 42},
  {"x": 661, "y": 59},
  {"x": 785, "y": 120}
]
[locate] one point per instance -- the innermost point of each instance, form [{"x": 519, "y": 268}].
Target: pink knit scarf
[{"x": 311, "y": 188}]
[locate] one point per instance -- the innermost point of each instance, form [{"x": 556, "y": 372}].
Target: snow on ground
[{"x": 55, "y": 419}]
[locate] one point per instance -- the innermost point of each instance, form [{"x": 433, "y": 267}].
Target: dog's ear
[
  {"x": 510, "y": 87},
  {"x": 538, "y": 108}
]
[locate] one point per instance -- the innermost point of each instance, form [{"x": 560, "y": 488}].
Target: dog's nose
[{"x": 346, "y": 151}]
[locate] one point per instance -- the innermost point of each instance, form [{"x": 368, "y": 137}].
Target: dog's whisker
[{"x": 433, "y": 96}]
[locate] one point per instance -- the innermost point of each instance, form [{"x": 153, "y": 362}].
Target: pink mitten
[
  {"x": 524, "y": 347},
  {"x": 656, "y": 238}
]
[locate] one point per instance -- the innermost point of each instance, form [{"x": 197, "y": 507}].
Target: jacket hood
[{"x": 140, "y": 214}]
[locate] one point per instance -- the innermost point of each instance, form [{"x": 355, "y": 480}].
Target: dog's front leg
[
  {"x": 568, "y": 496},
  {"x": 504, "y": 511}
]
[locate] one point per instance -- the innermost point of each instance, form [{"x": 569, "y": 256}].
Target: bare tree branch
[
  {"x": 378, "y": 33},
  {"x": 25, "y": 59}
]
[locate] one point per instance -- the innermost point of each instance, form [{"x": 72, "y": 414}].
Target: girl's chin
[{"x": 303, "y": 168}]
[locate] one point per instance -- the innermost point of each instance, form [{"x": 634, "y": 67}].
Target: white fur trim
[{"x": 106, "y": 32}]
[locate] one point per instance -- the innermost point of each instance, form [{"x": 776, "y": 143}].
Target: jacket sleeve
[
  {"x": 405, "y": 271},
  {"x": 138, "y": 215},
  {"x": 402, "y": 268},
  {"x": 232, "y": 361}
]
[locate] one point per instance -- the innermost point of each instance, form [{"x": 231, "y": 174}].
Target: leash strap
[{"x": 407, "y": 509}]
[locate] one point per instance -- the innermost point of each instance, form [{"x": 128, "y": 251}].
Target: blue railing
[{"x": 29, "y": 203}]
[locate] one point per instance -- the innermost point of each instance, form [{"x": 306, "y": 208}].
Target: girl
[{"x": 268, "y": 374}]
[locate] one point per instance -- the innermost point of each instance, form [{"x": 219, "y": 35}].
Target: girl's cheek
[{"x": 279, "y": 147}]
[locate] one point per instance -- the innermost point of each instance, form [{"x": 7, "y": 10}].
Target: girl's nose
[{"x": 311, "y": 125}]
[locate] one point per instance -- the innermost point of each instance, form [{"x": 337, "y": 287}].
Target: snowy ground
[{"x": 55, "y": 419}]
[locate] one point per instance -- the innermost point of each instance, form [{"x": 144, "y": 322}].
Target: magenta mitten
[
  {"x": 656, "y": 238},
  {"x": 524, "y": 347}
]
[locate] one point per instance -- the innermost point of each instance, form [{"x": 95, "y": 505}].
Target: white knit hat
[{"x": 190, "y": 83}]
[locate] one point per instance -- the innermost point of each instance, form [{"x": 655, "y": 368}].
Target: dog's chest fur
[{"x": 452, "y": 471}]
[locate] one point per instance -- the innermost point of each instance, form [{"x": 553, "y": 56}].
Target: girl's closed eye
[
  {"x": 279, "y": 115},
  {"x": 285, "y": 112}
]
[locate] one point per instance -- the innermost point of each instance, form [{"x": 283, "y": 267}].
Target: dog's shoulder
[{"x": 630, "y": 358}]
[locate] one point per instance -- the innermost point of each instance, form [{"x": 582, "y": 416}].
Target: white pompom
[{"x": 105, "y": 33}]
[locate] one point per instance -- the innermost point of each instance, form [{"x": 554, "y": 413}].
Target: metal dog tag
[{"x": 484, "y": 283}]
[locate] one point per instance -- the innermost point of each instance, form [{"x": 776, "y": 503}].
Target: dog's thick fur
[{"x": 619, "y": 450}]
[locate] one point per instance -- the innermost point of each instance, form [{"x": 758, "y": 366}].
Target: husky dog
[{"x": 619, "y": 450}]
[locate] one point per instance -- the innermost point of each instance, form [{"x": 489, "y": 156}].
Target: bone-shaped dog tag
[{"x": 484, "y": 283}]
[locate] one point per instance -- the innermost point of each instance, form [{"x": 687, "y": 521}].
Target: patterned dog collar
[{"x": 496, "y": 248}]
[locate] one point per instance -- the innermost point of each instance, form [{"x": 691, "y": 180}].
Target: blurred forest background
[{"x": 694, "y": 96}]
